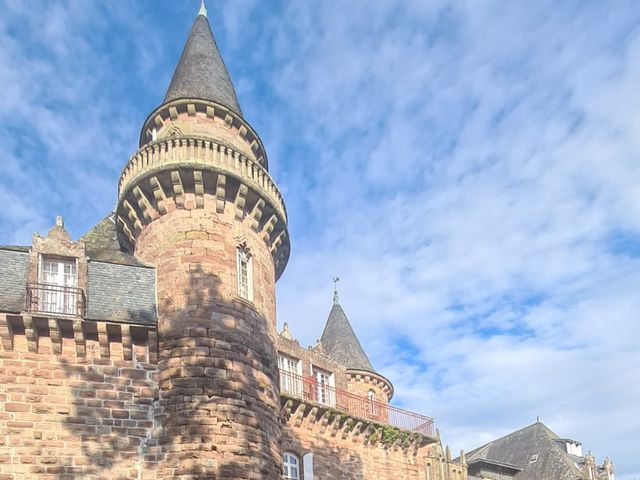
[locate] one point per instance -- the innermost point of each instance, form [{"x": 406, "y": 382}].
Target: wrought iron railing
[
  {"x": 55, "y": 299},
  {"x": 307, "y": 388}
]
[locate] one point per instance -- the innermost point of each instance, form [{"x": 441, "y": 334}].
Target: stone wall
[
  {"x": 219, "y": 397},
  {"x": 72, "y": 406},
  {"x": 345, "y": 447},
  {"x": 360, "y": 382},
  {"x": 312, "y": 357}
]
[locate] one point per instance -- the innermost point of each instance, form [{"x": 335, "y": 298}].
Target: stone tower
[{"x": 197, "y": 202}]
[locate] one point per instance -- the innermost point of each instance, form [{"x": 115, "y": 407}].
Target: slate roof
[
  {"x": 201, "y": 72},
  {"x": 340, "y": 342},
  {"x": 120, "y": 287},
  {"x": 519, "y": 449},
  {"x": 102, "y": 244},
  {"x": 14, "y": 264},
  {"x": 121, "y": 293}
]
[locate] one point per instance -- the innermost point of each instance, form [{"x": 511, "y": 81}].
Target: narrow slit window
[{"x": 245, "y": 273}]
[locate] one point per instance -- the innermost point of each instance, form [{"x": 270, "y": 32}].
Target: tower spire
[
  {"x": 203, "y": 8},
  {"x": 201, "y": 72},
  {"x": 340, "y": 341}
]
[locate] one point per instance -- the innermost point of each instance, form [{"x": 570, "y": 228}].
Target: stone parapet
[
  {"x": 179, "y": 172},
  {"x": 361, "y": 381},
  {"x": 338, "y": 445},
  {"x": 166, "y": 117}
]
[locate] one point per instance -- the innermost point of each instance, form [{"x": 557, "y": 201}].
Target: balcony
[
  {"x": 307, "y": 388},
  {"x": 55, "y": 299}
]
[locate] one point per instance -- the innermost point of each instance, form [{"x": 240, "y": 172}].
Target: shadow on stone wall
[{"x": 211, "y": 411}]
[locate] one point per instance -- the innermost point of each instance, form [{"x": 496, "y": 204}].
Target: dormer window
[
  {"x": 245, "y": 273},
  {"x": 57, "y": 288}
]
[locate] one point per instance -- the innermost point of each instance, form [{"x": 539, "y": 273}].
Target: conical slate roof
[
  {"x": 339, "y": 341},
  {"x": 201, "y": 72}
]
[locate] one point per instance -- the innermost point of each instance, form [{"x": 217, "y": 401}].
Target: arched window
[
  {"x": 245, "y": 273},
  {"x": 291, "y": 466}
]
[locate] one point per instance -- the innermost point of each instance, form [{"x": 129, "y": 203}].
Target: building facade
[{"x": 148, "y": 349}]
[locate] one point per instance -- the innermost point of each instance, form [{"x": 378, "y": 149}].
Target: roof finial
[
  {"x": 203, "y": 9},
  {"x": 336, "y": 300},
  {"x": 286, "y": 333}
]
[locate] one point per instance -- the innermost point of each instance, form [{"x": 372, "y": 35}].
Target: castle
[{"x": 148, "y": 348}]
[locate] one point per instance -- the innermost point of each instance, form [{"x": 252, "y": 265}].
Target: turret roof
[
  {"x": 201, "y": 72},
  {"x": 340, "y": 342}
]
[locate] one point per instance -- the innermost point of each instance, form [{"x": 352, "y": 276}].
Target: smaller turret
[{"x": 340, "y": 342}]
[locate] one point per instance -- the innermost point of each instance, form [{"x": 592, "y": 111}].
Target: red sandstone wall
[
  {"x": 342, "y": 452},
  {"x": 335, "y": 458},
  {"x": 65, "y": 417},
  {"x": 219, "y": 398},
  {"x": 361, "y": 388}
]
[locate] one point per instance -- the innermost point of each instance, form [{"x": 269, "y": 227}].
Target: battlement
[
  {"x": 76, "y": 338},
  {"x": 197, "y": 173}
]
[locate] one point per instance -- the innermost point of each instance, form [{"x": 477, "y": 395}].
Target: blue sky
[{"x": 470, "y": 170}]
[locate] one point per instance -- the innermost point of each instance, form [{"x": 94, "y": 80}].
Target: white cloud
[{"x": 466, "y": 185}]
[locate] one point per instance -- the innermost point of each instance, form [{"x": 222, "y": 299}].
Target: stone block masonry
[
  {"x": 65, "y": 416},
  {"x": 348, "y": 447},
  {"x": 218, "y": 391}
]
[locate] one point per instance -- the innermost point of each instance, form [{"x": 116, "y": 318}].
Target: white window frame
[
  {"x": 371, "y": 396},
  {"x": 323, "y": 379},
  {"x": 244, "y": 273},
  {"x": 291, "y": 466},
  {"x": 64, "y": 299},
  {"x": 291, "y": 384}
]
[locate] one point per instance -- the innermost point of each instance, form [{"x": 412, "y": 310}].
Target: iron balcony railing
[
  {"x": 307, "y": 388},
  {"x": 55, "y": 299}
]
